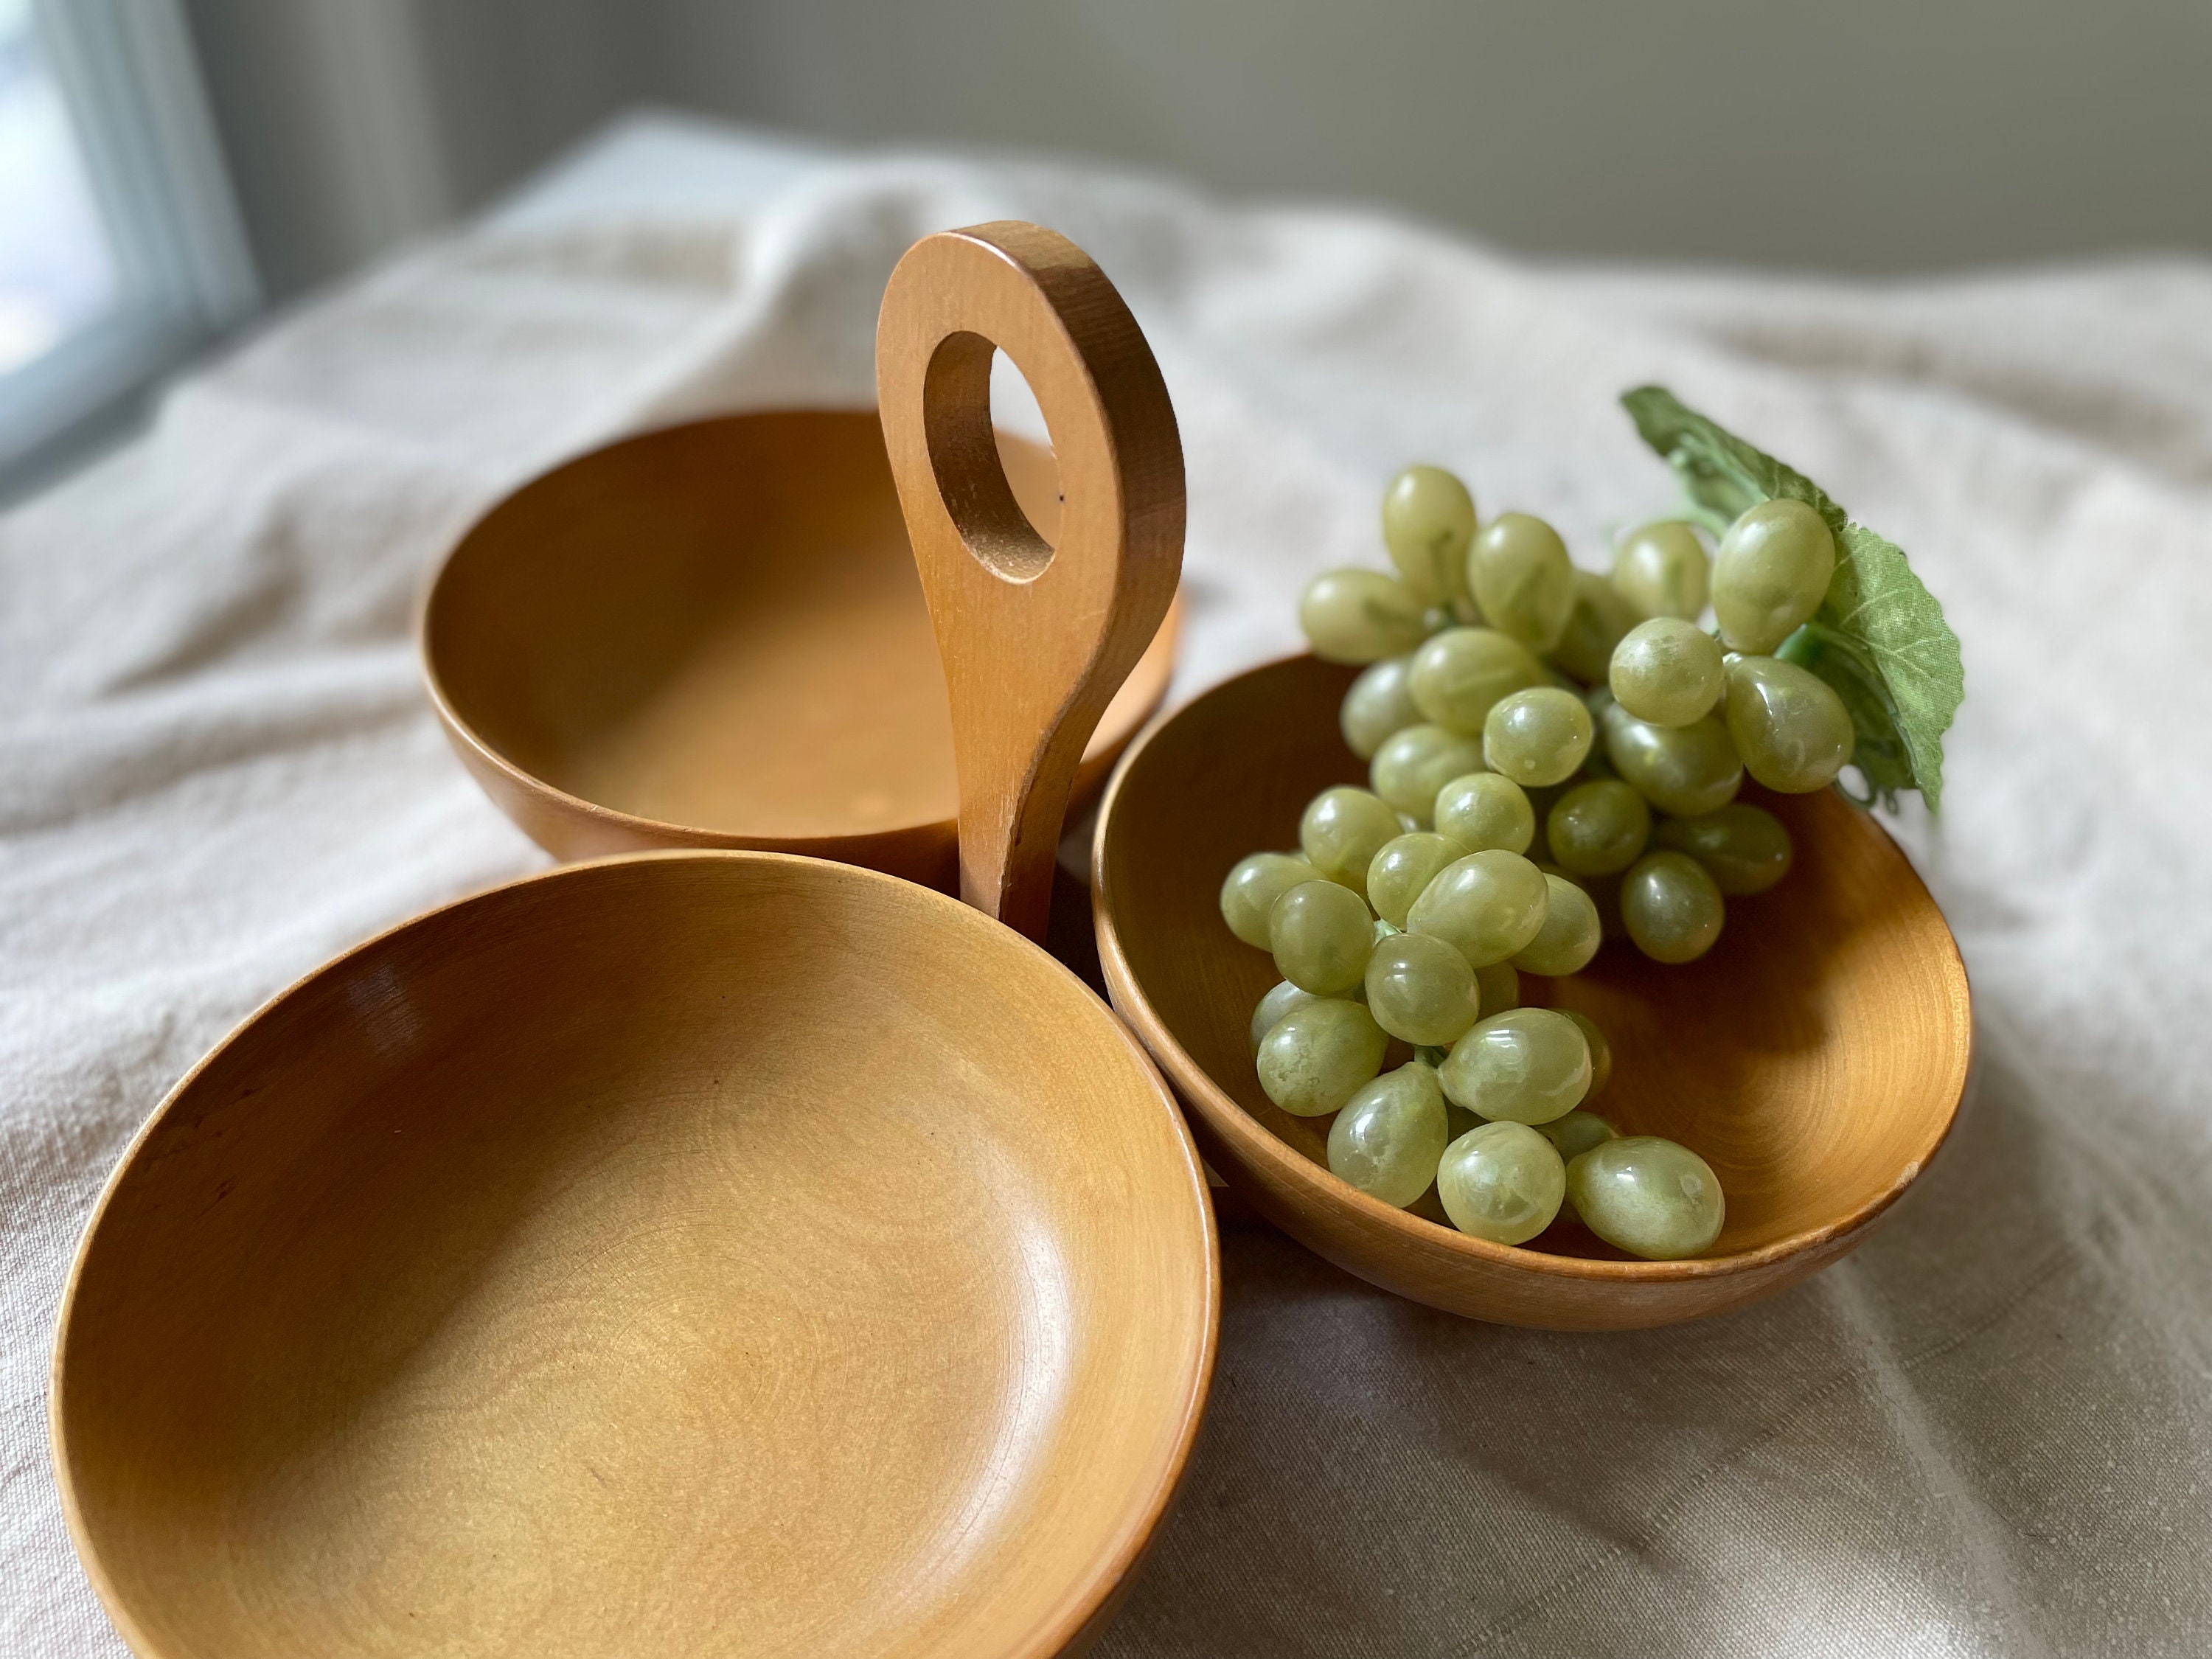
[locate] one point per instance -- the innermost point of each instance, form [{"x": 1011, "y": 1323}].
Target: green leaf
[
  {"x": 1879, "y": 638},
  {"x": 1722, "y": 474}
]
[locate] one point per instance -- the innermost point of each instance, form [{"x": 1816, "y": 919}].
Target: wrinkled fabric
[{"x": 1987, "y": 1432}]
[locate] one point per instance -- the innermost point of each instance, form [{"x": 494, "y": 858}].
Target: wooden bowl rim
[
  {"x": 856, "y": 843},
  {"x": 1109, "y": 1569},
  {"x": 1250, "y": 1139}
]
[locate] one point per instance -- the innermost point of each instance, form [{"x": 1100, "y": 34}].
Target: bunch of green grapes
[
  {"x": 1417, "y": 938},
  {"x": 1553, "y": 755},
  {"x": 1629, "y": 727}
]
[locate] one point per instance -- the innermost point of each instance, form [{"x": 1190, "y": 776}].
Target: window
[{"x": 120, "y": 253}]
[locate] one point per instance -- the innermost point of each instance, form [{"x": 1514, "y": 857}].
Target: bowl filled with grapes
[{"x": 1527, "y": 948}]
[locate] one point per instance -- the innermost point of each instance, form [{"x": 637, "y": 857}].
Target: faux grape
[
  {"x": 1483, "y": 810},
  {"x": 1359, "y": 617},
  {"x": 1321, "y": 935},
  {"x": 1661, "y": 570},
  {"x": 1577, "y": 1133},
  {"x": 1404, "y": 867},
  {"x": 1600, "y": 1051},
  {"x": 1520, "y": 574},
  {"x": 1600, "y": 617},
  {"x": 1389, "y": 1138},
  {"x": 1671, "y": 907},
  {"x": 1683, "y": 770},
  {"x": 1569, "y": 936},
  {"x": 1420, "y": 989},
  {"x": 1253, "y": 885},
  {"x": 1342, "y": 831},
  {"x": 1314, "y": 1059},
  {"x": 1771, "y": 573},
  {"x": 1788, "y": 724},
  {"x": 1649, "y": 1197},
  {"x": 1744, "y": 848},
  {"x": 1409, "y": 768},
  {"x": 1667, "y": 672},
  {"x": 1502, "y": 1182},
  {"x": 1528, "y": 1065},
  {"x": 1280, "y": 1001},
  {"x": 1428, "y": 519},
  {"x": 1597, "y": 829},
  {"x": 1500, "y": 985},
  {"x": 1380, "y": 702},
  {"x": 1458, "y": 674},
  {"x": 1537, "y": 737},
  {"x": 1487, "y": 906}
]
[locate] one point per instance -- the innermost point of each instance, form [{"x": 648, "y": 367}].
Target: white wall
[{"x": 1860, "y": 135}]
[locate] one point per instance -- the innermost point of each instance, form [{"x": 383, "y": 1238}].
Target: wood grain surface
[
  {"x": 681, "y": 1255},
  {"x": 714, "y": 636},
  {"x": 1815, "y": 1057}
]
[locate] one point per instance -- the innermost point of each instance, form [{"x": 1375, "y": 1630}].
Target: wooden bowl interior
[
  {"x": 1813, "y": 1057},
  {"x": 679, "y": 1254},
  {"x": 719, "y": 627}
]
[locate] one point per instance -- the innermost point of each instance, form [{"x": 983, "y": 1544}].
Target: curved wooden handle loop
[{"x": 1036, "y": 638}]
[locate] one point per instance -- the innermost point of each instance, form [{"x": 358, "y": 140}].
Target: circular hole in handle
[{"x": 963, "y": 455}]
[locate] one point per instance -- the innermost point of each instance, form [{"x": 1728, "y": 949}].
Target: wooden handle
[{"x": 1035, "y": 638}]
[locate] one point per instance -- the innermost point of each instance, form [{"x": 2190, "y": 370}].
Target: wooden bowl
[
  {"x": 1815, "y": 1057},
  {"x": 682, "y": 1254},
  {"x": 712, "y": 635},
  {"x": 709, "y": 1252}
]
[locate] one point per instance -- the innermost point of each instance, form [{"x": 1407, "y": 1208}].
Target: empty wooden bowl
[
  {"x": 686, "y": 1254},
  {"x": 711, "y": 635},
  {"x": 707, "y": 1253},
  {"x": 1816, "y": 1057}
]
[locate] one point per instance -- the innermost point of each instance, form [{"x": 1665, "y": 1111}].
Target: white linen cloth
[{"x": 1988, "y": 1433}]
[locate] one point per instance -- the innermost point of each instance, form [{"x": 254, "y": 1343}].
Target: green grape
[
  {"x": 1404, "y": 867},
  {"x": 1283, "y": 999},
  {"x": 1577, "y": 1133},
  {"x": 1342, "y": 830},
  {"x": 1500, "y": 985},
  {"x": 1419, "y": 988},
  {"x": 1671, "y": 907},
  {"x": 1253, "y": 885},
  {"x": 1682, "y": 770},
  {"x": 1788, "y": 724},
  {"x": 1487, "y": 906},
  {"x": 1314, "y": 1058},
  {"x": 1359, "y": 616},
  {"x": 1744, "y": 848},
  {"x": 1428, "y": 519},
  {"x": 1771, "y": 573},
  {"x": 1597, "y": 829},
  {"x": 1537, "y": 737},
  {"x": 1502, "y": 1182},
  {"x": 1530, "y": 1066},
  {"x": 1648, "y": 1196},
  {"x": 1520, "y": 574},
  {"x": 1660, "y": 570},
  {"x": 1321, "y": 935},
  {"x": 1483, "y": 810},
  {"x": 1458, "y": 674},
  {"x": 1411, "y": 765},
  {"x": 1600, "y": 1052},
  {"x": 1380, "y": 702},
  {"x": 1569, "y": 936},
  {"x": 1600, "y": 617},
  {"x": 1604, "y": 893},
  {"x": 1389, "y": 1138},
  {"x": 1667, "y": 672}
]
